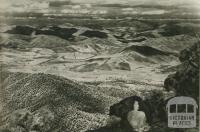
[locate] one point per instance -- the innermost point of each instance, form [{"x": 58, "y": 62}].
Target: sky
[
  {"x": 162, "y": 2},
  {"x": 43, "y": 5},
  {"x": 110, "y": 1}
]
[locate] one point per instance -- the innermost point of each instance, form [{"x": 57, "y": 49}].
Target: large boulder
[{"x": 153, "y": 106}]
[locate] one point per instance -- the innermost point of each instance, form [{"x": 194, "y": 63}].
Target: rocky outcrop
[
  {"x": 153, "y": 106},
  {"x": 185, "y": 81},
  {"x": 120, "y": 110}
]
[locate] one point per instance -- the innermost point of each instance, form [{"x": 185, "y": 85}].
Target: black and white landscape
[{"x": 65, "y": 63}]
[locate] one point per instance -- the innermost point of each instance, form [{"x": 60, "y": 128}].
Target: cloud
[
  {"x": 59, "y": 3},
  {"x": 146, "y": 11},
  {"x": 76, "y": 7},
  {"x": 43, "y": 5},
  {"x": 127, "y": 9},
  {"x": 154, "y": 12},
  {"x": 83, "y": 11},
  {"x": 23, "y": 5},
  {"x": 137, "y": 2}
]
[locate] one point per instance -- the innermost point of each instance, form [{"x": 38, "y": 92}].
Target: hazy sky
[
  {"x": 170, "y": 2},
  {"x": 110, "y": 1},
  {"x": 25, "y": 5}
]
